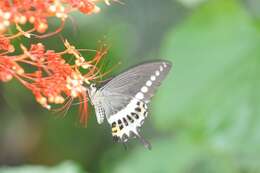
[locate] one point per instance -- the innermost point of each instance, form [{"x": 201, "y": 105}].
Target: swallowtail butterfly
[{"x": 123, "y": 101}]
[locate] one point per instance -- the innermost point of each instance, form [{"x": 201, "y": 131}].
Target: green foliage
[
  {"x": 66, "y": 167},
  {"x": 205, "y": 49},
  {"x": 210, "y": 100}
]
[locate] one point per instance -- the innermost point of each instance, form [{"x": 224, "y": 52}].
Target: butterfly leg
[
  {"x": 144, "y": 141},
  {"x": 125, "y": 145}
]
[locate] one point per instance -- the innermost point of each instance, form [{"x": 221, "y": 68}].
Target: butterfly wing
[
  {"x": 125, "y": 98},
  {"x": 140, "y": 82}
]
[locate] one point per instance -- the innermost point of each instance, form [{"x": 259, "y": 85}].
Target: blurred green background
[{"x": 205, "y": 118}]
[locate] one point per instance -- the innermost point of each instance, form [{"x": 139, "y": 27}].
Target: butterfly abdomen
[{"x": 100, "y": 113}]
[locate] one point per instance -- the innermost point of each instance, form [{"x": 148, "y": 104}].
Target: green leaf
[
  {"x": 142, "y": 160},
  {"x": 179, "y": 154},
  {"x": 191, "y": 3},
  {"x": 211, "y": 42},
  {"x": 68, "y": 166},
  {"x": 210, "y": 99}
]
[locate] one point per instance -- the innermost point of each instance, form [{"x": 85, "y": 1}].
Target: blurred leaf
[
  {"x": 211, "y": 98},
  {"x": 66, "y": 167},
  {"x": 209, "y": 44},
  {"x": 253, "y": 7},
  {"x": 143, "y": 160},
  {"x": 178, "y": 154},
  {"x": 191, "y": 3}
]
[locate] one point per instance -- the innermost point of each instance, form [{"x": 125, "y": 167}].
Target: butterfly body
[
  {"x": 123, "y": 100},
  {"x": 96, "y": 100}
]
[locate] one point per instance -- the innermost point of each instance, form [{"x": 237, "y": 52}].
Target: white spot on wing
[
  {"x": 161, "y": 68},
  {"x": 157, "y": 73},
  {"x": 139, "y": 96},
  {"x": 149, "y": 83},
  {"x": 144, "y": 89},
  {"x": 153, "y": 78},
  {"x": 164, "y": 64}
]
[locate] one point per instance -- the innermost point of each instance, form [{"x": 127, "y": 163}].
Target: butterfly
[{"x": 124, "y": 99}]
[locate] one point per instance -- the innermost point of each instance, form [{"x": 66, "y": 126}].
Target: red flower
[{"x": 53, "y": 81}]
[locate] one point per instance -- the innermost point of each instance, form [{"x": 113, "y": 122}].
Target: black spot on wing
[
  {"x": 121, "y": 126},
  {"x": 130, "y": 119},
  {"x": 124, "y": 137},
  {"x": 135, "y": 115},
  {"x": 138, "y": 109},
  {"x": 114, "y": 124},
  {"x": 125, "y": 122},
  {"x": 116, "y": 138}
]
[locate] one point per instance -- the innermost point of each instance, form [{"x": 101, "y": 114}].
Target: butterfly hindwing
[{"x": 127, "y": 122}]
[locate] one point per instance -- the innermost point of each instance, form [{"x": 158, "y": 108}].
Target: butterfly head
[
  {"x": 95, "y": 99},
  {"x": 92, "y": 89}
]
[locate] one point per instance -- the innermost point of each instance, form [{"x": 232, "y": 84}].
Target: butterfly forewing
[{"x": 140, "y": 82}]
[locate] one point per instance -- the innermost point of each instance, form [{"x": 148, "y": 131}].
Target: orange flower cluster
[
  {"x": 36, "y": 12},
  {"x": 51, "y": 79}
]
